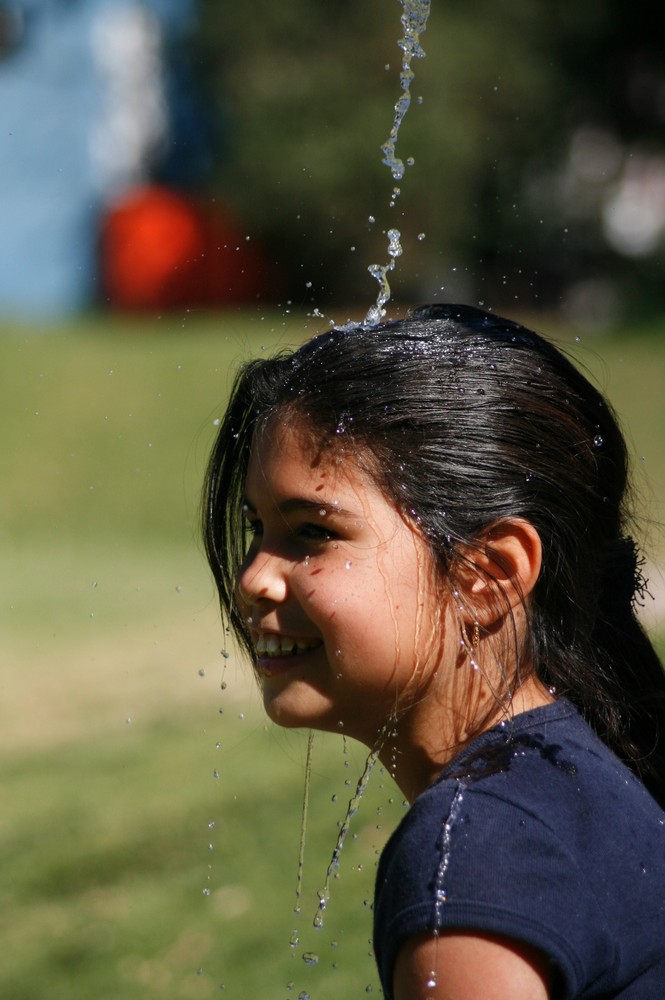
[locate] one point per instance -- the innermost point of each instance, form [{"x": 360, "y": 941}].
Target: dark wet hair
[{"x": 469, "y": 419}]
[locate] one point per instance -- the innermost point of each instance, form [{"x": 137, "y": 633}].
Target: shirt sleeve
[{"x": 469, "y": 857}]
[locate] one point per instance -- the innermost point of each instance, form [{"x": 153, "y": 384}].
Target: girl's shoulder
[
  {"x": 550, "y": 765},
  {"x": 543, "y": 775},
  {"x": 538, "y": 832}
]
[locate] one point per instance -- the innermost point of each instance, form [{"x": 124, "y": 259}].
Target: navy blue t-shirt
[{"x": 539, "y": 833}]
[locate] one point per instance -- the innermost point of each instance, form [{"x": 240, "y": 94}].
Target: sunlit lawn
[{"x": 150, "y": 819}]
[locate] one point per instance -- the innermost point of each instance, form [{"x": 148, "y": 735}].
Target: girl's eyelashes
[
  {"x": 253, "y": 528},
  {"x": 315, "y": 532},
  {"x": 308, "y": 531}
]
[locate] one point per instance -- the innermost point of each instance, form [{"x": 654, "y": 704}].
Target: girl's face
[{"x": 338, "y": 590}]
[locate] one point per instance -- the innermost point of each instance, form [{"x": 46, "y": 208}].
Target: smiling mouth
[{"x": 283, "y": 645}]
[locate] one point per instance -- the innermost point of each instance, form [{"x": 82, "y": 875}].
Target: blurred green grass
[{"x": 113, "y": 821}]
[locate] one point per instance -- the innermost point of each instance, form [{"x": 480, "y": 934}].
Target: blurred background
[
  {"x": 183, "y": 185},
  {"x": 174, "y": 153}
]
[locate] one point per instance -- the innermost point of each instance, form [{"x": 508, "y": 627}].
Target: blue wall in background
[{"x": 90, "y": 102}]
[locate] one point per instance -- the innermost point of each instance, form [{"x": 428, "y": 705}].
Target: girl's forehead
[
  {"x": 299, "y": 440},
  {"x": 286, "y": 454}
]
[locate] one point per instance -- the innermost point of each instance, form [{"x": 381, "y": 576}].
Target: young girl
[{"x": 419, "y": 534}]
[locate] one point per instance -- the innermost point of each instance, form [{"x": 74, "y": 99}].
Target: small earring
[{"x": 470, "y": 644}]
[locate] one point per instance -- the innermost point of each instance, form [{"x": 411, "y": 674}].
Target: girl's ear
[{"x": 501, "y": 571}]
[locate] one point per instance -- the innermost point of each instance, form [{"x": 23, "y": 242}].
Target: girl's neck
[{"x": 429, "y": 736}]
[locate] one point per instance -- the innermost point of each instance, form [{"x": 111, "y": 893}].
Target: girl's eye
[
  {"x": 315, "y": 532},
  {"x": 253, "y": 529}
]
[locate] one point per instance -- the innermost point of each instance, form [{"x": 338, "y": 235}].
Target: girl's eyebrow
[{"x": 301, "y": 504}]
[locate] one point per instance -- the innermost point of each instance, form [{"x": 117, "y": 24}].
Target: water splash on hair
[
  {"x": 414, "y": 21},
  {"x": 380, "y": 272}
]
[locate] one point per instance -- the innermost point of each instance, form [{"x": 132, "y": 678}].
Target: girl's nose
[{"x": 262, "y": 578}]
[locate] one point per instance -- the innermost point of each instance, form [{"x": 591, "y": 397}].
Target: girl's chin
[
  {"x": 295, "y": 710},
  {"x": 300, "y": 705}
]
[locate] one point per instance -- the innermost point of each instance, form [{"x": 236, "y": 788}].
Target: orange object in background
[{"x": 161, "y": 249}]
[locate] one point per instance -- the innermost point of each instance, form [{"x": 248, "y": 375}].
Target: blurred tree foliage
[{"x": 536, "y": 119}]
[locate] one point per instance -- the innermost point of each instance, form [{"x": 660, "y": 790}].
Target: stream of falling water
[
  {"x": 303, "y": 830},
  {"x": 352, "y": 809},
  {"x": 440, "y": 895},
  {"x": 324, "y": 893},
  {"x": 414, "y": 22}
]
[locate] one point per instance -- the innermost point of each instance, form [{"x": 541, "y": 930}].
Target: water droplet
[
  {"x": 347, "y": 564},
  {"x": 202, "y": 672},
  {"x": 310, "y": 958},
  {"x": 394, "y": 245},
  {"x": 215, "y": 774},
  {"x": 206, "y": 891},
  {"x": 212, "y": 824},
  {"x": 225, "y": 653},
  {"x": 421, "y": 236},
  {"x": 223, "y": 685},
  {"x": 598, "y": 440}
]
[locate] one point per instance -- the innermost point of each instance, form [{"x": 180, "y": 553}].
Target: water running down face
[{"x": 338, "y": 590}]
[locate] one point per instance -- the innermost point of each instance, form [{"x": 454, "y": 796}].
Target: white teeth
[
  {"x": 282, "y": 645},
  {"x": 272, "y": 645}
]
